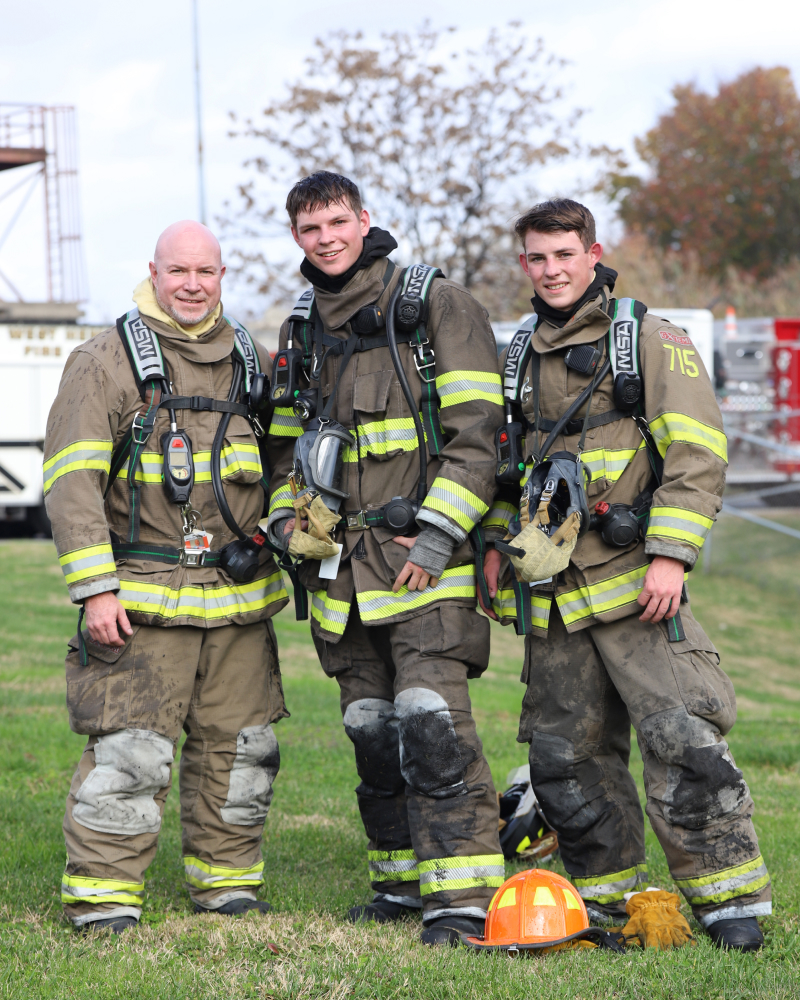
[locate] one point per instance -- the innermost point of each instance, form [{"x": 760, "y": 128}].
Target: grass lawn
[{"x": 314, "y": 845}]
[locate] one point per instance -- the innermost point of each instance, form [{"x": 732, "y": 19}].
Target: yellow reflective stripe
[
  {"x": 611, "y": 888},
  {"x": 680, "y": 524},
  {"x": 726, "y": 884},
  {"x": 404, "y": 855},
  {"x": 452, "y": 874},
  {"x": 332, "y": 615},
  {"x": 392, "y": 866},
  {"x": 609, "y": 463},
  {"x": 75, "y": 889},
  {"x": 94, "y": 560},
  {"x": 601, "y": 597},
  {"x": 82, "y": 455},
  {"x": 670, "y": 427},
  {"x": 202, "y": 875},
  {"x": 459, "y": 503},
  {"x": 205, "y": 603},
  {"x": 379, "y": 437},
  {"x": 282, "y": 497},
  {"x": 238, "y": 457},
  {"x": 285, "y": 423},
  {"x": 151, "y": 468},
  {"x": 374, "y": 605},
  {"x": 467, "y": 386},
  {"x": 500, "y": 514}
]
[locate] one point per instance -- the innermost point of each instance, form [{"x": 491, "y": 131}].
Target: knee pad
[
  {"x": 555, "y": 779},
  {"x": 430, "y": 759},
  {"x": 118, "y": 796},
  {"x": 703, "y": 782},
  {"x": 254, "y": 769},
  {"x": 371, "y": 726}
]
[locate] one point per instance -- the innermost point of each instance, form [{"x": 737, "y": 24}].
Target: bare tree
[{"x": 444, "y": 146}]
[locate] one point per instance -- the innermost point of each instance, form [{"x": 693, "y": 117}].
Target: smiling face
[
  {"x": 332, "y": 236},
  {"x": 187, "y": 272},
  {"x": 559, "y": 266}
]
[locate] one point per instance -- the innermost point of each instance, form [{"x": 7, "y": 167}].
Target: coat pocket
[{"x": 240, "y": 461}]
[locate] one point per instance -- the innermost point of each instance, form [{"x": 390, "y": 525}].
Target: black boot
[
  {"x": 114, "y": 924},
  {"x": 448, "y": 930},
  {"x": 381, "y": 911},
  {"x": 741, "y": 934},
  {"x": 601, "y": 915},
  {"x": 236, "y": 907}
]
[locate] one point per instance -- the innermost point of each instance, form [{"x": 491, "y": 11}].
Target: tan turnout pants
[
  {"x": 583, "y": 692},
  {"x": 222, "y": 687}
]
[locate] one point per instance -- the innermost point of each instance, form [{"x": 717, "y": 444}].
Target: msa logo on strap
[
  {"x": 303, "y": 306},
  {"x": 144, "y": 347},
  {"x": 624, "y": 337},
  {"x": 418, "y": 278},
  {"x": 517, "y": 358},
  {"x": 247, "y": 350}
]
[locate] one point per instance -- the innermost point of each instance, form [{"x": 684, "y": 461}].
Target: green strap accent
[{"x": 429, "y": 399}]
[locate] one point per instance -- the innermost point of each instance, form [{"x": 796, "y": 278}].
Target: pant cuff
[
  {"x": 223, "y": 898},
  {"x": 736, "y": 913},
  {"x": 119, "y": 911},
  {"x": 453, "y": 911},
  {"x": 413, "y": 901}
]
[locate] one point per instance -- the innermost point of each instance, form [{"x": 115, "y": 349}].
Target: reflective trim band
[
  {"x": 736, "y": 913},
  {"x": 332, "y": 615},
  {"x": 285, "y": 423},
  {"x": 609, "y": 463},
  {"x": 151, "y": 468},
  {"x": 383, "y": 436},
  {"x": 680, "y": 524},
  {"x": 414, "y": 902},
  {"x": 610, "y": 888},
  {"x": 282, "y": 497},
  {"x": 504, "y": 606},
  {"x": 238, "y": 457},
  {"x": 376, "y": 604},
  {"x": 452, "y": 911},
  {"x": 100, "y": 890},
  {"x": 206, "y": 603},
  {"x": 94, "y": 560},
  {"x": 670, "y": 427},
  {"x": 500, "y": 515},
  {"x": 452, "y": 874},
  {"x": 727, "y": 884},
  {"x": 465, "y": 387},
  {"x": 464, "y": 507},
  {"x": 600, "y": 598},
  {"x": 82, "y": 455},
  {"x": 393, "y": 866},
  {"x": 204, "y": 876}
]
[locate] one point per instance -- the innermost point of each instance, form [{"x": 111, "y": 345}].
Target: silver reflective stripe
[
  {"x": 413, "y": 901},
  {"x": 466, "y": 385},
  {"x": 104, "y": 558},
  {"x": 393, "y": 866},
  {"x": 607, "y": 888},
  {"x": 249, "y": 876},
  {"x": 329, "y": 614},
  {"x": 448, "y": 874},
  {"x": 453, "y": 911},
  {"x": 454, "y": 500},
  {"x": 690, "y": 527},
  {"x": 736, "y": 913},
  {"x": 226, "y": 897},
  {"x": 694, "y": 892},
  {"x": 194, "y": 596},
  {"x": 118, "y": 911},
  {"x": 436, "y": 593},
  {"x": 79, "y": 890},
  {"x": 604, "y": 596}
]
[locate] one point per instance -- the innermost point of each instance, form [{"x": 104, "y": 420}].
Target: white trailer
[{"x": 32, "y": 358}]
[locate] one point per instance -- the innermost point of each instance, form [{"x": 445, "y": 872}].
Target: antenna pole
[{"x": 201, "y": 182}]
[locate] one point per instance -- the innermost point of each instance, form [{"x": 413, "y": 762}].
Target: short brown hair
[
  {"x": 561, "y": 215},
  {"x": 320, "y": 190}
]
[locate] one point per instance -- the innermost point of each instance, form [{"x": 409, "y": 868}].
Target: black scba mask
[{"x": 562, "y": 482}]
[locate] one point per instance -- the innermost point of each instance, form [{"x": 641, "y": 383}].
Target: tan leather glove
[
  {"x": 655, "y": 921},
  {"x": 545, "y": 556},
  {"x": 317, "y": 543}
]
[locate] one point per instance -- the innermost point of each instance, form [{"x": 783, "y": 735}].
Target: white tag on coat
[{"x": 329, "y": 568}]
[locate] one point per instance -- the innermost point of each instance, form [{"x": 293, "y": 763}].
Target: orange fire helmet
[{"x": 536, "y": 910}]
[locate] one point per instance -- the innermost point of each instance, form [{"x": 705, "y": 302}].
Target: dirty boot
[
  {"x": 114, "y": 924},
  {"x": 448, "y": 930},
  {"x": 742, "y": 934},
  {"x": 236, "y": 907},
  {"x": 381, "y": 911}
]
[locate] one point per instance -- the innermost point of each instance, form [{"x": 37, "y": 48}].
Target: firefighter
[
  {"x": 395, "y": 622},
  {"x": 172, "y": 641},
  {"x": 608, "y": 641}
]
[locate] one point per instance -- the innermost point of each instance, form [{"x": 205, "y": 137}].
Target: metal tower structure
[{"x": 33, "y": 134}]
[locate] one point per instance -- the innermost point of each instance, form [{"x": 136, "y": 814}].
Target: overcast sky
[{"x": 127, "y": 68}]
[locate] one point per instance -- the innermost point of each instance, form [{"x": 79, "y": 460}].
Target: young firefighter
[
  {"x": 177, "y": 633},
  {"x": 608, "y": 641},
  {"x": 396, "y": 623}
]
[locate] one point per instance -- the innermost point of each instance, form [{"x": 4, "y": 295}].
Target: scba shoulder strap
[{"x": 518, "y": 358}]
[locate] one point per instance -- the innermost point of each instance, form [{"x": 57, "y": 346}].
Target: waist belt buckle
[
  {"x": 192, "y": 558},
  {"x": 356, "y": 520}
]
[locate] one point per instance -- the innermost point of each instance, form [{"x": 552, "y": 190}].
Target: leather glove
[
  {"x": 545, "y": 556},
  {"x": 317, "y": 542},
  {"x": 655, "y": 919}
]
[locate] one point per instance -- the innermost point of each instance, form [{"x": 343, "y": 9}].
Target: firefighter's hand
[
  {"x": 661, "y": 596},
  {"x": 416, "y": 576},
  {"x": 288, "y": 526},
  {"x": 103, "y": 614},
  {"x": 491, "y": 570}
]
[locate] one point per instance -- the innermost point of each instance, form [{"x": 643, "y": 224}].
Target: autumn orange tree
[
  {"x": 724, "y": 175},
  {"x": 443, "y": 142}
]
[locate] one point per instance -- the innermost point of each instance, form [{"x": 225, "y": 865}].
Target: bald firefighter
[
  {"x": 401, "y": 487},
  {"x": 622, "y": 475},
  {"x": 154, "y": 487}
]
